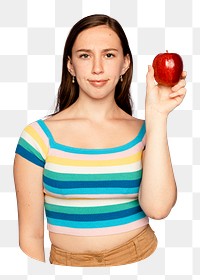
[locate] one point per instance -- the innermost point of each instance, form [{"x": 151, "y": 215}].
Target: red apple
[{"x": 167, "y": 68}]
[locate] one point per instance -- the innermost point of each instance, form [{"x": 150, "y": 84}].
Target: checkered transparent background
[{"x": 32, "y": 37}]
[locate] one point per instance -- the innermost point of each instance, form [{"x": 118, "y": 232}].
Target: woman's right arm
[{"x": 30, "y": 202}]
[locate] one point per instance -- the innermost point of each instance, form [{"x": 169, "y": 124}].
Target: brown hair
[{"x": 68, "y": 92}]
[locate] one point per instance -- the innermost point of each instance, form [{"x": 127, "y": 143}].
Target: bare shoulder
[
  {"x": 134, "y": 122},
  {"x": 137, "y": 121},
  {"x": 58, "y": 120},
  {"x": 55, "y": 118},
  {"x": 61, "y": 125}
]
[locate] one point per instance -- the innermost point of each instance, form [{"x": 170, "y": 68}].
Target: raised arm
[
  {"x": 158, "y": 190},
  {"x": 30, "y": 201}
]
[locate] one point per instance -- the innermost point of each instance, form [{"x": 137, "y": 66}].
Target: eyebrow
[{"x": 104, "y": 50}]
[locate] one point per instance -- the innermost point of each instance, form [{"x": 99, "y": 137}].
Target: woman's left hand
[{"x": 163, "y": 99}]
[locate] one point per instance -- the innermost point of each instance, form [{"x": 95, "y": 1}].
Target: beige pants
[{"x": 137, "y": 248}]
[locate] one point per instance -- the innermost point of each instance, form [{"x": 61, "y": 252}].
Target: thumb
[{"x": 150, "y": 82}]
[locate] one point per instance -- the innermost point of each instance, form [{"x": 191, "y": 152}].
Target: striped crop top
[{"x": 87, "y": 192}]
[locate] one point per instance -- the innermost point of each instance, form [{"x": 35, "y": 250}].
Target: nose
[{"x": 97, "y": 67}]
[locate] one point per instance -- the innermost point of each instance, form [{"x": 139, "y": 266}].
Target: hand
[{"x": 163, "y": 99}]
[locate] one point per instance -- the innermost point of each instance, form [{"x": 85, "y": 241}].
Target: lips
[{"x": 98, "y": 83}]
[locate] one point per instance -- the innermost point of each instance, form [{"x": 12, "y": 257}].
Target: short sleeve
[{"x": 32, "y": 145}]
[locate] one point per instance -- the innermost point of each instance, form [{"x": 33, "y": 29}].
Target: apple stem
[{"x": 166, "y": 51}]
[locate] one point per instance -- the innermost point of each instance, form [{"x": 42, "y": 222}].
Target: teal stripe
[
  {"x": 92, "y": 209},
  {"x": 93, "y": 177},
  {"x": 29, "y": 148},
  {"x": 112, "y": 190},
  {"x": 99, "y": 224}
]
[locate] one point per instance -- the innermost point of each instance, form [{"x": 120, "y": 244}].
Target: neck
[{"x": 96, "y": 110}]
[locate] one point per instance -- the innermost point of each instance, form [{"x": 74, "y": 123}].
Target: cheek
[
  {"x": 116, "y": 73},
  {"x": 115, "y": 68},
  {"x": 82, "y": 70}
]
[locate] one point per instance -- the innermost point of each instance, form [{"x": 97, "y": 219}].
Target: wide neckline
[{"x": 118, "y": 148}]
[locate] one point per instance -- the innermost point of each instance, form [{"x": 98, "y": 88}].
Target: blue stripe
[
  {"x": 29, "y": 156},
  {"x": 93, "y": 217},
  {"x": 98, "y": 224},
  {"x": 93, "y": 190},
  {"x": 46, "y": 131},
  {"x": 91, "y": 184}
]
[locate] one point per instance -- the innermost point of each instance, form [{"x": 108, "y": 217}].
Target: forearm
[
  {"x": 33, "y": 247},
  {"x": 158, "y": 188}
]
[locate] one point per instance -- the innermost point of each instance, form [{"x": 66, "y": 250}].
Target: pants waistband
[{"x": 112, "y": 250}]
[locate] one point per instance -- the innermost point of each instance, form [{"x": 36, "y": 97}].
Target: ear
[
  {"x": 126, "y": 64},
  {"x": 70, "y": 66}
]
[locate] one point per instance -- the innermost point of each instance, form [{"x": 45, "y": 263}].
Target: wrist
[
  {"x": 155, "y": 115},
  {"x": 155, "y": 121}
]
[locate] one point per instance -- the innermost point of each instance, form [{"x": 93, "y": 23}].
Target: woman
[{"x": 98, "y": 171}]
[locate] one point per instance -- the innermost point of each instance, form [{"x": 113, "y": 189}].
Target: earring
[
  {"x": 73, "y": 79},
  {"x": 121, "y": 79}
]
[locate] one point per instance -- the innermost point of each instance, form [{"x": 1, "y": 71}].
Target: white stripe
[
  {"x": 32, "y": 142},
  {"x": 94, "y": 169},
  {"x": 86, "y": 202},
  {"x": 91, "y": 196}
]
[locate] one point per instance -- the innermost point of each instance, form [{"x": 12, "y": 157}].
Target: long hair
[{"x": 68, "y": 92}]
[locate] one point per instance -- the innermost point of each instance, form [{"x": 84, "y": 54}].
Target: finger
[
  {"x": 177, "y": 100},
  {"x": 150, "y": 81},
  {"x": 183, "y": 75},
  {"x": 180, "y": 92},
  {"x": 181, "y": 83}
]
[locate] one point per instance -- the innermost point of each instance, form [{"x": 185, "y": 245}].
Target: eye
[
  {"x": 109, "y": 55},
  {"x": 84, "y": 55}
]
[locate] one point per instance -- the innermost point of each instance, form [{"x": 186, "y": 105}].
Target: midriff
[{"x": 83, "y": 244}]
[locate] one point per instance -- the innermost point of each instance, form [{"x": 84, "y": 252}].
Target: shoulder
[
  {"x": 135, "y": 122},
  {"x": 32, "y": 124},
  {"x": 57, "y": 118},
  {"x": 33, "y": 144},
  {"x": 34, "y": 132},
  {"x": 139, "y": 127},
  {"x": 60, "y": 121},
  {"x": 57, "y": 123},
  {"x": 33, "y": 128},
  {"x": 138, "y": 122},
  {"x": 124, "y": 115}
]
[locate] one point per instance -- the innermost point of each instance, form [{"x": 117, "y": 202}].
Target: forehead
[{"x": 99, "y": 36}]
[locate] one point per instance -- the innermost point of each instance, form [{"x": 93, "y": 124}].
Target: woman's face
[{"x": 97, "y": 61}]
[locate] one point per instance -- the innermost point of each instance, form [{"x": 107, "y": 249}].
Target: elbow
[
  {"x": 161, "y": 212},
  {"x": 32, "y": 244},
  {"x": 33, "y": 248},
  {"x": 157, "y": 213},
  {"x": 158, "y": 208}
]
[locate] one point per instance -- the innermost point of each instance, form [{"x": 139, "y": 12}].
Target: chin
[{"x": 99, "y": 94}]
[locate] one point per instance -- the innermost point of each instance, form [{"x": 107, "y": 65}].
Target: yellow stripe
[
  {"x": 31, "y": 131},
  {"x": 109, "y": 162}
]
